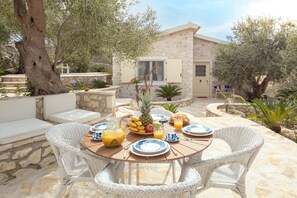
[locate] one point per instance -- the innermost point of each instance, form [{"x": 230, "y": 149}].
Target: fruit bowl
[
  {"x": 185, "y": 118},
  {"x": 138, "y": 133}
]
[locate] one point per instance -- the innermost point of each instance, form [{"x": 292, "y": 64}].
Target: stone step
[
  {"x": 13, "y": 89},
  {"x": 14, "y": 84},
  {"x": 13, "y": 78}
]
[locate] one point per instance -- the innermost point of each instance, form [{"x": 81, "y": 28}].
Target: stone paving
[{"x": 273, "y": 173}]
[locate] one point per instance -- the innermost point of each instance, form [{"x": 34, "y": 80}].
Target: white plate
[
  {"x": 98, "y": 127},
  {"x": 160, "y": 117},
  {"x": 135, "y": 152},
  {"x": 198, "y": 134},
  {"x": 149, "y": 146},
  {"x": 199, "y": 129}
]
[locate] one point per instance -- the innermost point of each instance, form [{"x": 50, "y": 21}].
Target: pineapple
[{"x": 145, "y": 109}]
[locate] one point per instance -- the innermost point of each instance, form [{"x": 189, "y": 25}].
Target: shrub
[
  {"x": 81, "y": 86},
  {"x": 168, "y": 91},
  {"x": 171, "y": 107},
  {"x": 101, "y": 68},
  {"x": 272, "y": 113},
  {"x": 99, "y": 84},
  {"x": 29, "y": 89}
]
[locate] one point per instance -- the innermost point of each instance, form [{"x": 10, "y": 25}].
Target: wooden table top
[{"x": 187, "y": 146}]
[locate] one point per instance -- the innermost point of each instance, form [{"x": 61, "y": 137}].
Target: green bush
[
  {"x": 171, "y": 107},
  {"x": 272, "y": 113},
  {"x": 81, "y": 86},
  {"x": 101, "y": 68},
  {"x": 29, "y": 89},
  {"x": 99, "y": 84},
  {"x": 168, "y": 91}
]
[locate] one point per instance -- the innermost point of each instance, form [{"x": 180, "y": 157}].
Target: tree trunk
[
  {"x": 257, "y": 89},
  {"x": 42, "y": 76}
]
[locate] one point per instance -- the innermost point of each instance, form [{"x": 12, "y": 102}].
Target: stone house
[{"x": 180, "y": 56}]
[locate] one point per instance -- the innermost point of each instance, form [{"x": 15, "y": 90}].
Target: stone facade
[
  {"x": 32, "y": 153},
  {"x": 180, "y": 43}
]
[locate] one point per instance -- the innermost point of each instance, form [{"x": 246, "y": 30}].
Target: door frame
[{"x": 197, "y": 61}]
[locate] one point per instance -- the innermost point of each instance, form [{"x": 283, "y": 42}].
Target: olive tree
[
  {"x": 69, "y": 26},
  {"x": 252, "y": 57}
]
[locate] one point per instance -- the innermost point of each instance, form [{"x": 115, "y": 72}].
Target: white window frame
[{"x": 150, "y": 60}]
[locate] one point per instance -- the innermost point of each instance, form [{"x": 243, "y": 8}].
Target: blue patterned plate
[
  {"x": 160, "y": 117},
  {"x": 197, "y": 130},
  {"x": 135, "y": 152},
  {"x": 150, "y": 146},
  {"x": 98, "y": 127}
]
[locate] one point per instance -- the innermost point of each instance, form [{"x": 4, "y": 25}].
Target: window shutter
[
  {"x": 174, "y": 70},
  {"x": 127, "y": 71}
]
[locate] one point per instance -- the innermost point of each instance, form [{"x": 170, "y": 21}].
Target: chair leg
[
  {"x": 63, "y": 186},
  {"x": 173, "y": 172},
  {"x": 241, "y": 187}
]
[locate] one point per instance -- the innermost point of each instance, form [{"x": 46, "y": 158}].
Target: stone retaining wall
[
  {"x": 180, "y": 103},
  {"x": 218, "y": 109},
  {"x": 99, "y": 101},
  {"x": 73, "y": 78},
  {"x": 31, "y": 153}
]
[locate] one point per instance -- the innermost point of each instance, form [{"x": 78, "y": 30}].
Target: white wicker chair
[
  {"x": 229, "y": 171},
  {"x": 75, "y": 164},
  {"x": 108, "y": 184}
]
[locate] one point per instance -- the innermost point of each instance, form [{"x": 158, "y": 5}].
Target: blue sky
[{"x": 216, "y": 17}]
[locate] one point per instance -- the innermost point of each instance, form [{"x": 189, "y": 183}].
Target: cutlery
[
  {"x": 198, "y": 139},
  {"x": 125, "y": 151},
  {"x": 173, "y": 151}
]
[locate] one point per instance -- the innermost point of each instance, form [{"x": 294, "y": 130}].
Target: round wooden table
[{"x": 186, "y": 147}]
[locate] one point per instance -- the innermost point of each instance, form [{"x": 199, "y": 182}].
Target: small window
[
  {"x": 153, "y": 70},
  {"x": 200, "y": 70}
]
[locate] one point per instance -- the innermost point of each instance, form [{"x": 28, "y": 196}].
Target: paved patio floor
[{"x": 273, "y": 173}]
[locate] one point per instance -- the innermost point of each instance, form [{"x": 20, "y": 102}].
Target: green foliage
[
  {"x": 97, "y": 28},
  {"x": 81, "y": 86},
  {"x": 289, "y": 88},
  {"x": 30, "y": 90},
  {"x": 168, "y": 91},
  {"x": 272, "y": 113},
  {"x": 171, "y": 107},
  {"x": 253, "y": 56},
  {"x": 99, "y": 84},
  {"x": 101, "y": 68}
]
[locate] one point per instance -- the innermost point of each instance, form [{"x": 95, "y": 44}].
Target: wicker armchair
[
  {"x": 75, "y": 164},
  {"x": 229, "y": 171},
  {"x": 109, "y": 184}
]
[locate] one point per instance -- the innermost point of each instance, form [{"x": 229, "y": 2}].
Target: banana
[
  {"x": 133, "y": 124},
  {"x": 141, "y": 131},
  {"x": 133, "y": 129},
  {"x": 134, "y": 118},
  {"x": 138, "y": 123},
  {"x": 141, "y": 127}
]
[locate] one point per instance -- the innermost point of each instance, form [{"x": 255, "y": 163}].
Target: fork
[{"x": 125, "y": 151}]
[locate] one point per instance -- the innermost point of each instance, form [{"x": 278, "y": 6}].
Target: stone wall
[
  {"x": 99, "y": 101},
  {"x": 218, "y": 109},
  {"x": 178, "y": 45},
  {"x": 74, "y": 78},
  {"x": 32, "y": 153}
]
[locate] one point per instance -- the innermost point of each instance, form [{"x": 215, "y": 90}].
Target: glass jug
[{"x": 113, "y": 135}]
